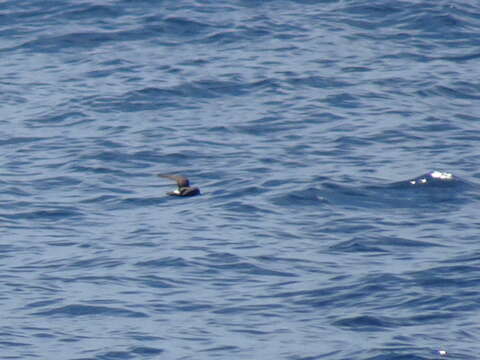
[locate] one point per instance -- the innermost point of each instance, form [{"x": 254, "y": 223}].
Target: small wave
[
  {"x": 309, "y": 196},
  {"x": 47, "y": 214},
  {"x": 380, "y": 244},
  {"x": 82, "y": 310},
  {"x": 430, "y": 180},
  {"x": 146, "y": 351},
  {"x": 423, "y": 191},
  {"x": 366, "y": 323}
]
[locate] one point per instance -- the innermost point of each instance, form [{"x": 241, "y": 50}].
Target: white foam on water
[{"x": 441, "y": 175}]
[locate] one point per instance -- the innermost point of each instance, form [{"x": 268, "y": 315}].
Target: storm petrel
[{"x": 184, "y": 188}]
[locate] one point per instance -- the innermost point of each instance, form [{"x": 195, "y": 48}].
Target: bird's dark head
[{"x": 183, "y": 182}]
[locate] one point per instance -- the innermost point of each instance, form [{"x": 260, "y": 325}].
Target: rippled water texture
[{"x": 304, "y": 123}]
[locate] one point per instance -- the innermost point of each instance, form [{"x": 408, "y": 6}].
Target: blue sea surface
[{"x": 336, "y": 146}]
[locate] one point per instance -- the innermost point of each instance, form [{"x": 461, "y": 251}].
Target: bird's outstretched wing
[{"x": 182, "y": 181}]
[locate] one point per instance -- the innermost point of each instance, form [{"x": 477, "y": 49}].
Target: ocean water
[{"x": 336, "y": 145}]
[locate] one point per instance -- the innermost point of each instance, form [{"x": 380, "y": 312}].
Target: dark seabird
[{"x": 184, "y": 188}]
